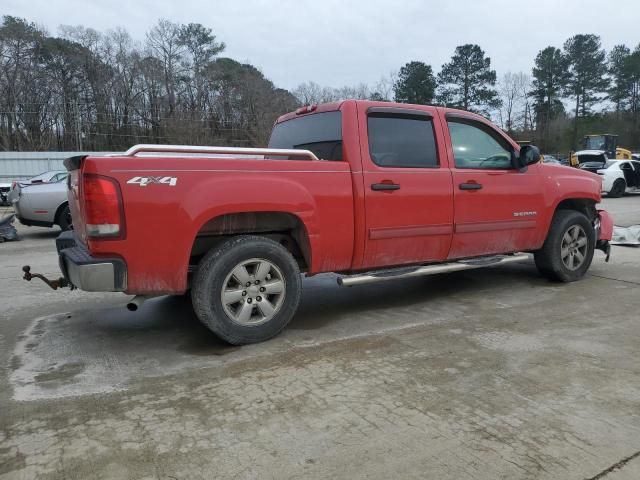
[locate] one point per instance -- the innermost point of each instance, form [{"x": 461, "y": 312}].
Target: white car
[{"x": 620, "y": 177}]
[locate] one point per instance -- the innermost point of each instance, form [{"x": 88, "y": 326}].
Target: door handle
[
  {"x": 385, "y": 186},
  {"x": 470, "y": 186}
]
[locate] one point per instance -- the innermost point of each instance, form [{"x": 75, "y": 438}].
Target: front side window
[
  {"x": 402, "y": 141},
  {"x": 474, "y": 147},
  {"x": 321, "y": 133}
]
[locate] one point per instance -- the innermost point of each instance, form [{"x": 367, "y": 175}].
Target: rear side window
[
  {"x": 402, "y": 141},
  {"x": 321, "y": 133}
]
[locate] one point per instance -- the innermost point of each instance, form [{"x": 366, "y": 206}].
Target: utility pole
[{"x": 78, "y": 127}]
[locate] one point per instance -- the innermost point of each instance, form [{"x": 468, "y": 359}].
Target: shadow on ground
[{"x": 171, "y": 320}]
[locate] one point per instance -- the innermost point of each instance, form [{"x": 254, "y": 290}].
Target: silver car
[
  {"x": 42, "y": 204},
  {"x": 44, "y": 177}
]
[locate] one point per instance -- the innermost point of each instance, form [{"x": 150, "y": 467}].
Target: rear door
[
  {"x": 408, "y": 189},
  {"x": 496, "y": 206}
]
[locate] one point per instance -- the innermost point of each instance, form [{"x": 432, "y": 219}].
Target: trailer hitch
[{"x": 54, "y": 284}]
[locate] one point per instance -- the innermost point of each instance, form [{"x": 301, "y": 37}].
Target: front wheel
[
  {"x": 247, "y": 289},
  {"x": 618, "y": 188},
  {"x": 568, "y": 250}
]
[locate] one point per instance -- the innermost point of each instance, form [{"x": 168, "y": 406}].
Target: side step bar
[{"x": 472, "y": 263}]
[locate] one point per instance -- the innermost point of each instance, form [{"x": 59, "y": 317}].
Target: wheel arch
[
  {"x": 584, "y": 205},
  {"x": 587, "y": 206},
  {"x": 56, "y": 217},
  {"x": 286, "y": 228}
]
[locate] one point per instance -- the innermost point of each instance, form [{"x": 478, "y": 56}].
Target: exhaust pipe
[
  {"x": 381, "y": 276},
  {"x": 136, "y": 302}
]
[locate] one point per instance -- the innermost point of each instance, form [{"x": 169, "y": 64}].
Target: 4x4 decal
[{"x": 144, "y": 181}]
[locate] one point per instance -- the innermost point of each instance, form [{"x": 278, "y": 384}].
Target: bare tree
[
  {"x": 515, "y": 112},
  {"x": 84, "y": 89}
]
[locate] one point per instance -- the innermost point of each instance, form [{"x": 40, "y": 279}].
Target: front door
[
  {"x": 631, "y": 172},
  {"x": 496, "y": 206},
  {"x": 636, "y": 168},
  {"x": 408, "y": 191}
]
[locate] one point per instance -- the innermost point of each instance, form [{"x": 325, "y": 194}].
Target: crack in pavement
[
  {"x": 615, "y": 466},
  {"x": 615, "y": 279}
]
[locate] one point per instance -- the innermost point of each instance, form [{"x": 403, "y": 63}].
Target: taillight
[
  {"x": 103, "y": 209},
  {"x": 13, "y": 184}
]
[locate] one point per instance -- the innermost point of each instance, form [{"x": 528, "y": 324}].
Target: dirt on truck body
[{"x": 370, "y": 190}]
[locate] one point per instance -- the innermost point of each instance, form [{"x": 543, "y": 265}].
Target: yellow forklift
[{"x": 597, "y": 146}]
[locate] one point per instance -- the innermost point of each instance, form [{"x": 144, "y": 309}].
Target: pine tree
[
  {"x": 415, "y": 84},
  {"x": 468, "y": 81},
  {"x": 587, "y": 74}
]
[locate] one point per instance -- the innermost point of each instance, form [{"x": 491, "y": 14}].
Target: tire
[
  {"x": 561, "y": 239},
  {"x": 271, "y": 298},
  {"x": 64, "y": 218},
  {"x": 618, "y": 189}
]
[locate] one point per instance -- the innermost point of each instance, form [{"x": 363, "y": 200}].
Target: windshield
[
  {"x": 596, "y": 142},
  {"x": 321, "y": 133}
]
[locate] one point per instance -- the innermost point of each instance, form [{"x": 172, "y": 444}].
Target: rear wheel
[
  {"x": 568, "y": 250},
  {"x": 618, "y": 188},
  {"x": 247, "y": 289},
  {"x": 64, "y": 218}
]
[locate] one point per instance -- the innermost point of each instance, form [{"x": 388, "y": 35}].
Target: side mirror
[{"x": 529, "y": 154}]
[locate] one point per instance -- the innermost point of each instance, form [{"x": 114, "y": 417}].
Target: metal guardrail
[
  {"x": 151, "y": 148},
  {"x": 23, "y": 165}
]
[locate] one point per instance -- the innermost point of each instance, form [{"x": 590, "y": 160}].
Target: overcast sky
[{"x": 338, "y": 43}]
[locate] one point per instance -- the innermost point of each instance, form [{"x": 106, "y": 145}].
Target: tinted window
[
  {"x": 474, "y": 147},
  {"x": 396, "y": 141},
  {"x": 321, "y": 133}
]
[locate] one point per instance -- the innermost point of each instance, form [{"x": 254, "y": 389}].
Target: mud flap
[{"x": 605, "y": 247}]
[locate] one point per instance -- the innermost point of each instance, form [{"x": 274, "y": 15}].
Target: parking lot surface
[{"x": 492, "y": 373}]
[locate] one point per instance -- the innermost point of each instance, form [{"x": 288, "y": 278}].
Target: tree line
[
  {"x": 87, "y": 90},
  {"x": 529, "y": 106}
]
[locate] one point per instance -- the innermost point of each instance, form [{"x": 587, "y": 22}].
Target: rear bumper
[
  {"x": 89, "y": 273},
  {"x": 33, "y": 223},
  {"x": 29, "y": 222}
]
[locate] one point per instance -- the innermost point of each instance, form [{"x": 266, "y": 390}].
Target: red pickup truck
[{"x": 371, "y": 190}]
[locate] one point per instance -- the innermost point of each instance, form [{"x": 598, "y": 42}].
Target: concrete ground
[{"x": 492, "y": 373}]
